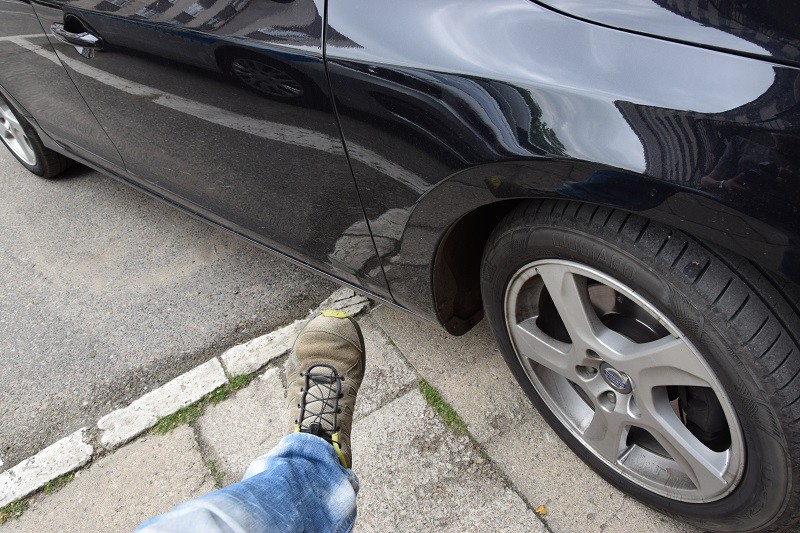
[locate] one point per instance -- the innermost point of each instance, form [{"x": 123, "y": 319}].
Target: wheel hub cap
[{"x": 619, "y": 381}]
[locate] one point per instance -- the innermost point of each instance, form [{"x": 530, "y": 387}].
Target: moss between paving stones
[
  {"x": 216, "y": 473},
  {"x": 192, "y": 412},
  {"x": 15, "y": 509},
  {"x": 58, "y": 483},
  {"x": 448, "y": 414}
]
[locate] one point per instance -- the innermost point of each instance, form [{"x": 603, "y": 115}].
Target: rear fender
[{"x": 452, "y": 222}]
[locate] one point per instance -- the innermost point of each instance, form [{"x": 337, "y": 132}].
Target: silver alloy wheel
[
  {"x": 610, "y": 391},
  {"x": 14, "y": 135}
]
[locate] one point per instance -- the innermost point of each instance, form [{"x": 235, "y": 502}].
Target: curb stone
[
  {"x": 253, "y": 355},
  {"x": 122, "y": 425},
  {"x": 62, "y": 457}
]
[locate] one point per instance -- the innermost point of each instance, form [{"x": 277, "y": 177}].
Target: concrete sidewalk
[{"x": 416, "y": 470}]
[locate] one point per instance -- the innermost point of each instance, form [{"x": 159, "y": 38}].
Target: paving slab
[
  {"x": 469, "y": 371},
  {"x": 547, "y": 473},
  {"x": 146, "y": 478},
  {"x": 416, "y": 475},
  {"x": 387, "y": 373},
  {"x": 471, "y": 375},
  {"x": 245, "y": 426}
]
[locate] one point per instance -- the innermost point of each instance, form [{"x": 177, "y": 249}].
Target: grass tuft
[
  {"x": 448, "y": 414},
  {"x": 187, "y": 415},
  {"x": 192, "y": 412},
  {"x": 240, "y": 382},
  {"x": 58, "y": 483},
  {"x": 216, "y": 473},
  {"x": 12, "y": 510}
]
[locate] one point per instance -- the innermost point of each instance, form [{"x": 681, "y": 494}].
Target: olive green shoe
[{"x": 323, "y": 374}]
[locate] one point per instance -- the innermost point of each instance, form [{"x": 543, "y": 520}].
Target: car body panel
[
  {"x": 231, "y": 118},
  {"x": 38, "y": 83},
  {"x": 770, "y": 30},
  {"x": 478, "y": 102}
]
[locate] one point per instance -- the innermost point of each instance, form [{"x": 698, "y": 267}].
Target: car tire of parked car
[
  {"x": 669, "y": 366},
  {"x": 26, "y": 146}
]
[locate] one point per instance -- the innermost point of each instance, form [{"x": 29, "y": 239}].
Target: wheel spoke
[
  {"x": 6, "y": 113},
  {"x": 704, "y": 466},
  {"x": 14, "y": 136},
  {"x": 17, "y": 131},
  {"x": 535, "y": 345},
  {"x": 606, "y": 434},
  {"x": 11, "y": 122},
  {"x": 571, "y": 298},
  {"x": 667, "y": 361}
]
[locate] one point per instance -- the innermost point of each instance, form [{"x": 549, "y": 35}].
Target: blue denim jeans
[{"x": 298, "y": 486}]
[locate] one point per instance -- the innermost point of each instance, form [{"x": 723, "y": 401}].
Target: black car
[{"x": 615, "y": 186}]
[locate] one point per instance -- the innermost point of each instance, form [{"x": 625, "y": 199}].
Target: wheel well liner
[{"x": 456, "y": 270}]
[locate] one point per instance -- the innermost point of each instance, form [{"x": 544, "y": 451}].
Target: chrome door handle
[{"x": 74, "y": 32}]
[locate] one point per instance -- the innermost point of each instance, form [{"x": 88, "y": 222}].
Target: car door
[
  {"x": 223, "y": 106},
  {"x": 32, "y": 75}
]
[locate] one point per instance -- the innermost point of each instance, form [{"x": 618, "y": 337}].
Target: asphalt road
[{"x": 106, "y": 293}]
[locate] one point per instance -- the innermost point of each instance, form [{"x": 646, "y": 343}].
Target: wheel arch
[
  {"x": 487, "y": 193},
  {"x": 48, "y": 141}
]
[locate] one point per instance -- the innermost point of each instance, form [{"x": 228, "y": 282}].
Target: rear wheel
[
  {"x": 669, "y": 367},
  {"x": 24, "y": 143}
]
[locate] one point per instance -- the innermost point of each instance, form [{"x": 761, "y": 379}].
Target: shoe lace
[{"x": 319, "y": 405}]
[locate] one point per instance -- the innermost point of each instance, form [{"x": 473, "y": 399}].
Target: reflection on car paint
[
  {"x": 767, "y": 29},
  {"x": 478, "y": 106},
  {"x": 235, "y": 122},
  {"x": 439, "y": 116}
]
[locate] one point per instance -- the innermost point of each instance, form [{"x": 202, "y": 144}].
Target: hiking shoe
[{"x": 323, "y": 374}]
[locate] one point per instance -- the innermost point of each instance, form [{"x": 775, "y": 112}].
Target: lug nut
[{"x": 611, "y": 397}]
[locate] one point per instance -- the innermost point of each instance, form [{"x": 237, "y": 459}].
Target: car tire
[
  {"x": 26, "y": 146},
  {"x": 733, "y": 326}
]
